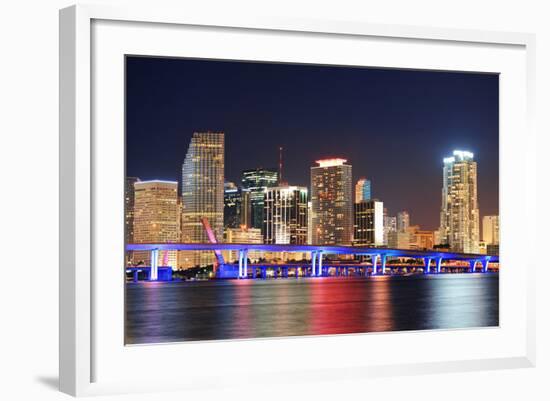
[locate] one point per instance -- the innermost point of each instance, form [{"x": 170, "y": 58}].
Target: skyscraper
[
  {"x": 332, "y": 202},
  {"x": 285, "y": 215},
  {"x": 459, "y": 218},
  {"x": 491, "y": 230},
  {"x": 369, "y": 223},
  {"x": 363, "y": 190},
  {"x": 202, "y": 193},
  {"x": 390, "y": 226},
  {"x": 156, "y": 219},
  {"x": 129, "y": 199},
  {"x": 256, "y": 181},
  {"x": 403, "y": 221},
  {"x": 232, "y": 208}
]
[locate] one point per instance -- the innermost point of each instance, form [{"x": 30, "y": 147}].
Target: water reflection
[{"x": 180, "y": 311}]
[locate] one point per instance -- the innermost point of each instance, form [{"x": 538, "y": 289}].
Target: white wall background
[{"x": 29, "y": 199}]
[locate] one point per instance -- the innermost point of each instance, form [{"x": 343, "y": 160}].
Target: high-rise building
[
  {"x": 256, "y": 181},
  {"x": 285, "y": 215},
  {"x": 368, "y": 223},
  {"x": 129, "y": 198},
  {"x": 156, "y": 219},
  {"x": 362, "y": 190},
  {"x": 309, "y": 224},
  {"x": 491, "y": 230},
  {"x": 233, "y": 205},
  {"x": 332, "y": 202},
  {"x": 390, "y": 226},
  {"x": 459, "y": 218},
  {"x": 403, "y": 221},
  {"x": 202, "y": 193}
]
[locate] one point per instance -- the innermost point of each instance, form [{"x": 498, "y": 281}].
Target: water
[{"x": 211, "y": 310}]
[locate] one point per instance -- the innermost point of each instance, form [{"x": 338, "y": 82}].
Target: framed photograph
[{"x": 290, "y": 197}]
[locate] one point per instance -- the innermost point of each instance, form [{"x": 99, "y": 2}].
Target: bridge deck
[{"x": 326, "y": 249}]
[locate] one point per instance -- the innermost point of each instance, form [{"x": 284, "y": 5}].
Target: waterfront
[{"x": 159, "y": 312}]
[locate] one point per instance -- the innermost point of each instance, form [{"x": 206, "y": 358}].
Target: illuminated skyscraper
[
  {"x": 362, "y": 190},
  {"x": 403, "y": 221},
  {"x": 202, "y": 193},
  {"x": 256, "y": 181},
  {"x": 459, "y": 219},
  {"x": 285, "y": 215},
  {"x": 232, "y": 206},
  {"x": 368, "y": 223},
  {"x": 332, "y": 202},
  {"x": 491, "y": 230},
  {"x": 390, "y": 226},
  {"x": 156, "y": 219},
  {"x": 129, "y": 198}
]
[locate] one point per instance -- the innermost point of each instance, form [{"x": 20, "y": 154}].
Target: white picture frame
[{"x": 82, "y": 343}]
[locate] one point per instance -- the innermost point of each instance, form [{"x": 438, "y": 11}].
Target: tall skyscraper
[
  {"x": 202, "y": 193},
  {"x": 233, "y": 204},
  {"x": 129, "y": 199},
  {"x": 285, "y": 215},
  {"x": 390, "y": 226},
  {"x": 459, "y": 218},
  {"x": 256, "y": 181},
  {"x": 491, "y": 230},
  {"x": 369, "y": 223},
  {"x": 403, "y": 221},
  {"x": 362, "y": 190},
  {"x": 156, "y": 219},
  {"x": 332, "y": 202}
]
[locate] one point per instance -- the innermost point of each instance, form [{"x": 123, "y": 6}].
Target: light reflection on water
[{"x": 180, "y": 311}]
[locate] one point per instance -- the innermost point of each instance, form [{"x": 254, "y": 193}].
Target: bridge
[{"x": 432, "y": 259}]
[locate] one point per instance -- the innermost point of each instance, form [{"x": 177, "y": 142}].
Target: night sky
[{"x": 393, "y": 126}]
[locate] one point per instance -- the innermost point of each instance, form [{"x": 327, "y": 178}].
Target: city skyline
[{"x": 420, "y": 195}]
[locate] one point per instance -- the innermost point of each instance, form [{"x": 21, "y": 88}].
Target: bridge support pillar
[
  {"x": 427, "y": 262},
  {"x": 154, "y": 274},
  {"x": 243, "y": 263},
  {"x": 438, "y": 265},
  {"x": 135, "y": 272},
  {"x": 486, "y": 265},
  {"x": 320, "y": 262},
  {"x": 473, "y": 264},
  {"x": 313, "y": 263},
  {"x": 374, "y": 259},
  {"x": 383, "y": 262}
]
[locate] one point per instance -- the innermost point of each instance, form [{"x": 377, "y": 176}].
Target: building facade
[
  {"x": 242, "y": 235},
  {"x": 390, "y": 226},
  {"x": 256, "y": 181},
  {"x": 332, "y": 202},
  {"x": 362, "y": 190},
  {"x": 129, "y": 199},
  {"x": 202, "y": 193},
  {"x": 368, "y": 223},
  {"x": 403, "y": 221},
  {"x": 232, "y": 206},
  {"x": 491, "y": 230},
  {"x": 156, "y": 219},
  {"x": 459, "y": 218},
  {"x": 285, "y": 215}
]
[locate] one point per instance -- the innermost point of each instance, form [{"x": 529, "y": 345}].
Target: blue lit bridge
[{"x": 432, "y": 261}]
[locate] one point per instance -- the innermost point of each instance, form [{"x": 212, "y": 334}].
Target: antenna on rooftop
[{"x": 280, "y": 165}]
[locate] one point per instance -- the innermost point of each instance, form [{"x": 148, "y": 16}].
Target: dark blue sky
[{"x": 393, "y": 126}]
